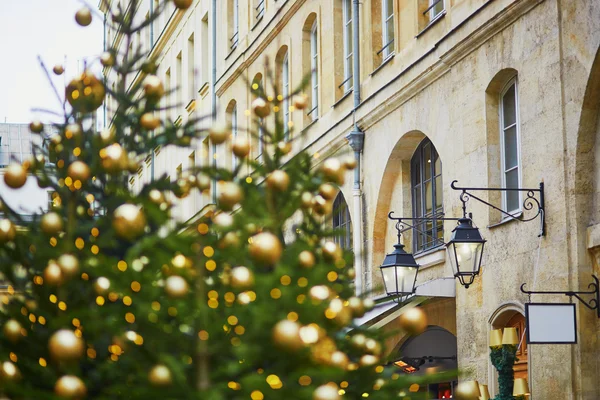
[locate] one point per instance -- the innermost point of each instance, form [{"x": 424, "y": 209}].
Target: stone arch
[
  {"x": 499, "y": 319},
  {"x": 492, "y": 125}
]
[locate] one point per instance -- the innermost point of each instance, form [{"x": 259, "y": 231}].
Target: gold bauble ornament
[
  {"x": 176, "y": 287},
  {"x": 181, "y": 261},
  {"x": 129, "y": 221},
  {"x": 183, "y": 4},
  {"x": 12, "y": 330},
  {"x": 7, "y": 231},
  {"x": 350, "y": 163},
  {"x": 202, "y": 181},
  {"x": 114, "y": 158},
  {"x": 230, "y": 194},
  {"x": 64, "y": 345},
  {"x": 240, "y": 146},
  {"x": 51, "y": 223},
  {"x": 153, "y": 88},
  {"x": 372, "y": 346},
  {"x": 156, "y": 196},
  {"x": 9, "y": 371},
  {"x": 319, "y": 292},
  {"x": 53, "y": 275},
  {"x": 329, "y": 391},
  {"x": 241, "y": 278},
  {"x": 36, "y": 126},
  {"x": 102, "y": 285},
  {"x": 85, "y": 93},
  {"x": 231, "y": 239},
  {"x": 107, "y": 59},
  {"x": 321, "y": 206},
  {"x": 183, "y": 188},
  {"x": 284, "y": 147},
  {"x": 467, "y": 390},
  {"x": 73, "y": 131},
  {"x": 265, "y": 248},
  {"x": 149, "y": 121},
  {"x": 413, "y": 321},
  {"x": 58, "y": 69},
  {"x": 83, "y": 16},
  {"x": 339, "y": 359},
  {"x": 78, "y": 170},
  {"x": 286, "y": 334},
  {"x": 69, "y": 265},
  {"x": 70, "y": 387},
  {"x": 331, "y": 251},
  {"x": 368, "y": 303},
  {"x": 328, "y": 191},
  {"x": 278, "y": 180},
  {"x": 149, "y": 67},
  {"x": 160, "y": 375},
  {"x": 306, "y": 200},
  {"x": 261, "y": 108},
  {"x": 300, "y": 101},
  {"x": 219, "y": 132},
  {"x": 333, "y": 170},
  {"x": 357, "y": 306},
  {"x": 368, "y": 359},
  {"x": 223, "y": 220},
  {"x": 15, "y": 176},
  {"x": 107, "y": 136},
  {"x": 306, "y": 259},
  {"x": 358, "y": 341}
]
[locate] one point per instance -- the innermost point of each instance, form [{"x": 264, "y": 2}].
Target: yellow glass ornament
[
  {"x": 114, "y": 158},
  {"x": 332, "y": 170},
  {"x": 70, "y": 387},
  {"x": 357, "y": 306},
  {"x": 286, "y": 334},
  {"x": 83, "y": 16},
  {"x": 85, "y": 93},
  {"x": 241, "y": 278},
  {"x": 219, "y": 132},
  {"x": 328, "y": 191},
  {"x": 176, "y": 286},
  {"x": 183, "y": 4},
  {"x": 329, "y": 391},
  {"x": 12, "y": 330},
  {"x": 230, "y": 194},
  {"x": 36, "y": 126},
  {"x": 306, "y": 259},
  {"x": 300, "y": 101},
  {"x": 78, "y": 170},
  {"x": 107, "y": 59},
  {"x": 261, "y": 108},
  {"x": 53, "y": 274},
  {"x": 9, "y": 371},
  {"x": 149, "y": 121},
  {"x": 69, "y": 265},
  {"x": 153, "y": 88},
  {"x": 51, "y": 223},
  {"x": 240, "y": 146},
  {"x": 58, "y": 69},
  {"x": 160, "y": 375},
  {"x": 7, "y": 231}
]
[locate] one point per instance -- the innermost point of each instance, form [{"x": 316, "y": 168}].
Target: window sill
[
  {"x": 389, "y": 58},
  {"x": 232, "y": 50},
  {"x": 347, "y": 94},
  {"x": 431, "y": 257},
  {"x": 258, "y": 21},
  {"x": 203, "y": 90},
  {"x": 504, "y": 221},
  {"x": 307, "y": 127},
  {"x": 431, "y": 23}
]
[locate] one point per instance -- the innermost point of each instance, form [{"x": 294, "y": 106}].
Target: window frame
[
  {"x": 422, "y": 241},
  {"x": 431, "y": 10},
  {"x": 387, "y": 45},
  {"x": 259, "y": 9},
  {"x": 512, "y": 82},
  {"x": 233, "y": 40},
  {"x": 314, "y": 74},
  {"x": 285, "y": 86},
  {"x": 347, "y": 27}
]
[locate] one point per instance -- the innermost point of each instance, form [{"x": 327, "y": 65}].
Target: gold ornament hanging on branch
[
  {"x": 70, "y": 387},
  {"x": 7, "y": 231},
  {"x": 64, "y": 345},
  {"x": 15, "y": 176},
  {"x": 51, "y": 223},
  {"x": 78, "y": 170},
  {"x": 83, "y": 16},
  {"x": 183, "y": 4},
  {"x": 12, "y": 330},
  {"x": 129, "y": 221},
  {"x": 265, "y": 248},
  {"x": 160, "y": 375},
  {"x": 36, "y": 126},
  {"x": 413, "y": 321},
  {"x": 85, "y": 93},
  {"x": 176, "y": 287}
]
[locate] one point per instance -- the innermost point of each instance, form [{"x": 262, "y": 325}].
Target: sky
[{"x": 46, "y": 28}]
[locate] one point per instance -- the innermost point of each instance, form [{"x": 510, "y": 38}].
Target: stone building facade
[{"x": 491, "y": 93}]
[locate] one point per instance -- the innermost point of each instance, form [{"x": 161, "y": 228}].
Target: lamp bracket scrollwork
[{"x": 534, "y": 198}]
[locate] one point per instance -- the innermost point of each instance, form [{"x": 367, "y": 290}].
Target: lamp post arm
[{"x": 528, "y": 203}]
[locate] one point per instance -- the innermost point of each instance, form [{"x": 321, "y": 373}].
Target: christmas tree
[{"x": 108, "y": 298}]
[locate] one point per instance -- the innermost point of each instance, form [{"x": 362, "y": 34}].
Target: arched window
[
  {"x": 509, "y": 146},
  {"x": 285, "y": 84},
  {"x": 342, "y": 223},
  {"x": 426, "y": 185}
]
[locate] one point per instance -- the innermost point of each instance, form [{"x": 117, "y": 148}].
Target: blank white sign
[{"x": 551, "y": 323}]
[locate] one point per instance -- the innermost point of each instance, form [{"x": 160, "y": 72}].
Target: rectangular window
[
  {"x": 435, "y": 9},
  {"x": 285, "y": 71},
  {"x": 191, "y": 69},
  {"x": 168, "y": 93},
  {"x": 259, "y": 9},
  {"x": 204, "y": 62},
  {"x": 179, "y": 85},
  {"x": 509, "y": 136},
  {"x": 348, "y": 55},
  {"x": 314, "y": 77},
  {"x": 236, "y": 24},
  {"x": 387, "y": 28}
]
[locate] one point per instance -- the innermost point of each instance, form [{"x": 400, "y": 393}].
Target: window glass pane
[
  {"x": 511, "y": 158},
  {"x": 427, "y": 159},
  {"x": 389, "y": 7},
  {"x": 512, "y": 197},
  {"x": 440, "y": 231},
  {"x": 439, "y": 192},
  {"x": 390, "y": 34},
  {"x": 416, "y": 170},
  {"x": 508, "y": 106},
  {"x": 438, "y": 164},
  {"x": 428, "y": 197},
  {"x": 418, "y": 212},
  {"x": 429, "y": 231}
]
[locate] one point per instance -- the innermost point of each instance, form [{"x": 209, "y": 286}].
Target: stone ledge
[
  {"x": 431, "y": 258},
  {"x": 593, "y": 237}
]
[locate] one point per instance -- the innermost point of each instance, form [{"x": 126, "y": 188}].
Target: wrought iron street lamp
[
  {"x": 399, "y": 270},
  {"x": 466, "y": 251}
]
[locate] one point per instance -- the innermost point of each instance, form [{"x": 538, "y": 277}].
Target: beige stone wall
[{"x": 443, "y": 83}]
